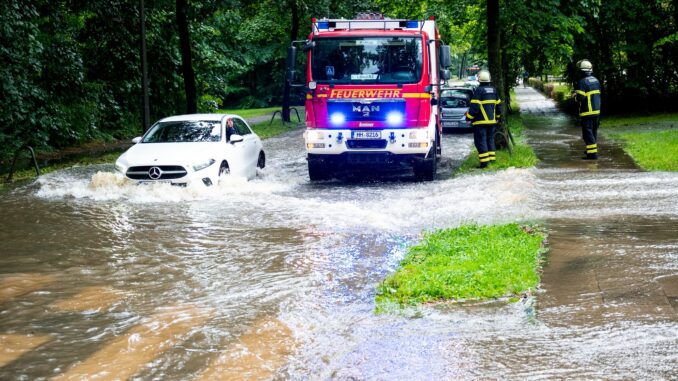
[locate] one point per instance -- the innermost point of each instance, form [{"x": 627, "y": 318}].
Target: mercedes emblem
[{"x": 154, "y": 173}]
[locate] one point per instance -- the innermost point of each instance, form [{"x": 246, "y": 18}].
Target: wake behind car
[
  {"x": 454, "y": 102},
  {"x": 193, "y": 148}
]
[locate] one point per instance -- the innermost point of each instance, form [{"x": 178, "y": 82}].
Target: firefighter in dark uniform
[
  {"x": 587, "y": 94},
  {"x": 484, "y": 115}
]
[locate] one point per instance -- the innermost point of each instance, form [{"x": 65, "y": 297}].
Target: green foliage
[
  {"x": 468, "y": 262},
  {"x": 71, "y": 69}
]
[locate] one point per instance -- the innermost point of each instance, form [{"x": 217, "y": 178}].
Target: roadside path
[{"x": 612, "y": 226}]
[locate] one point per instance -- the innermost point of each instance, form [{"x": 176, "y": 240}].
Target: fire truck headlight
[
  {"x": 419, "y": 134},
  {"x": 337, "y": 119},
  {"x": 313, "y": 136},
  {"x": 394, "y": 118}
]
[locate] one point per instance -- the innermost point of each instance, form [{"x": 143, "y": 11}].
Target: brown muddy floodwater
[{"x": 275, "y": 278}]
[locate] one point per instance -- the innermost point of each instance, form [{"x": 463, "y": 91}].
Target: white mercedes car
[{"x": 197, "y": 148}]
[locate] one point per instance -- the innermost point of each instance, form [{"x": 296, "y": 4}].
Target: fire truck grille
[{"x": 366, "y": 144}]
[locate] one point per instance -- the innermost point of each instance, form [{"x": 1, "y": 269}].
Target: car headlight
[
  {"x": 200, "y": 166},
  {"x": 120, "y": 167}
]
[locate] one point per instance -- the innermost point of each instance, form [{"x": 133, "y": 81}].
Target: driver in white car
[{"x": 230, "y": 130}]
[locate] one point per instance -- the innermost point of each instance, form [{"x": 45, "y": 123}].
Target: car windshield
[
  {"x": 457, "y": 93},
  {"x": 454, "y": 101},
  {"x": 184, "y": 132},
  {"x": 367, "y": 60}
]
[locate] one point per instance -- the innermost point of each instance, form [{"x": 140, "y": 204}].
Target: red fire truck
[{"x": 372, "y": 90}]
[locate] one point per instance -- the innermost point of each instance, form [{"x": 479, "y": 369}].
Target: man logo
[
  {"x": 154, "y": 173},
  {"x": 365, "y": 109}
]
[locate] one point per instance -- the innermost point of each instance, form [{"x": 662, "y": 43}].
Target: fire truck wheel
[
  {"x": 426, "y": 170},
  {"x": 439, "y": 146},
  {"x": 318, "y": 171}
]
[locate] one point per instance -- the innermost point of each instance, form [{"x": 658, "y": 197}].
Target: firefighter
[
  {"x": 587, "y": 94},
  {"x": 484, "y": 115}
]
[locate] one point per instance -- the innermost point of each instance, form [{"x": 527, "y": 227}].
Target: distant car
[
  {"x": 454, "y": 103},
  {"x": 472, "y": 83},
  {"x": 194, "y": 148}
]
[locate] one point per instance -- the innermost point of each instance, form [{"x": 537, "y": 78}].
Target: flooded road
[{"x": 275, "y": 278}]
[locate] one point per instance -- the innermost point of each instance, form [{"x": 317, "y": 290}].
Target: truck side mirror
[
  {"x": 291, "y": 57},
  {"x": 291, "y": 62},
  {"x": 308, "y": 46},
  {"x": 445, "y": 56},
  {"x": 445, "y": 74}
]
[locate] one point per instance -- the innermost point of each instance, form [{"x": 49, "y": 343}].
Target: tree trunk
[
  {"x": 146, "y": 119},
  {"x": 493, "y": 49},
  {"x": 505, "y": 71},
  {"x": 294, "y": 32},
  {"x": 186, "y": 60}
]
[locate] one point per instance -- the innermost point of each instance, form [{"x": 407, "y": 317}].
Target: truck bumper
[{"x": 412, "y": 142}]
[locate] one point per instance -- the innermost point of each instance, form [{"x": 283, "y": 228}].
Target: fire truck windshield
[{"x": 367, "y": 60}]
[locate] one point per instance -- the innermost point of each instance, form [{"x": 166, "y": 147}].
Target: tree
[
  {"x": 186, "y": 58},
  {"x": 494, "y": 48}
]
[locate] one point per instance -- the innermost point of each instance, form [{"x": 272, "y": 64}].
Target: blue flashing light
[
  {"x": 337, "y": 119},
  {"x": 412, "y": 24},
  {"x": 323, "y": 25},
  {"x": 394, "y": 118}
]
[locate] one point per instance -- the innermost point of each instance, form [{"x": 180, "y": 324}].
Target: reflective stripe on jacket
[
  {"x": 588, "y": 95},
  {"x": 485, "y": 106}
]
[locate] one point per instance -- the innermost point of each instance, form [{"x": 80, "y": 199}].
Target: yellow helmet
[
  {"x": 484, "y": 76},
  {"x": 585, "y": 65}
]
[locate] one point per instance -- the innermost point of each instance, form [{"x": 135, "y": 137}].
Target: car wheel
[
  {"x": 261, "y": 162},
  {"x": 224, "y": 169}
]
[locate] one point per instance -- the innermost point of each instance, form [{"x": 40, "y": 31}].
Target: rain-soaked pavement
[{"x": 275, "y": 278}]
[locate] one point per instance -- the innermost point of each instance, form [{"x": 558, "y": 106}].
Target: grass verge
[
  {"x": 522, "y": 157},
  {"x": 250, "y": 113},
  {"x": 468, "y": 262},
  {"x": 267, "y": 130},
  {"x": 651, "y": 140},
  {"x": 638, "y": 120},
  {"x": 28, "y": 174},
  {"x": 651, "y": 150}
]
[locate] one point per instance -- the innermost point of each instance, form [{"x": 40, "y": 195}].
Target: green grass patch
[
  {"x": 635, "y": 120},
  {"x": 523, "y": 155},
  {"x": 251, "y": 112},
  {"x": 651, "y": 150},
  {"x": 468, "y": 262},
  {"x": 266, "y": 129},
  {"x": 515, "y": 106}
]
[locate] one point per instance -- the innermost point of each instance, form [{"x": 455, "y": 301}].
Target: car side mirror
[
  {"x": 136, "y": 140},
  {"x": 236, "y": 139}
]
